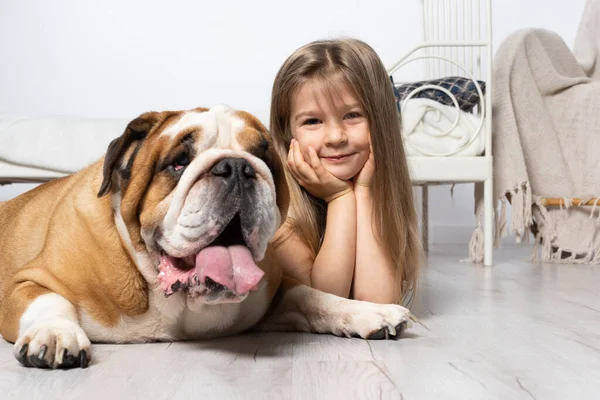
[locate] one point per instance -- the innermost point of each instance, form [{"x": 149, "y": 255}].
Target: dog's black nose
[{"x": 234, "y": 168}]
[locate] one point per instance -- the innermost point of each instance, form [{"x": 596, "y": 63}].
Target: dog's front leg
[
  {"x": 44, "y": 328},
  {"x": 299, "y": 307}
]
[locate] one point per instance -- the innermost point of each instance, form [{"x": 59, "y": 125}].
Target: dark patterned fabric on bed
[{"x": 463, "y": 89}]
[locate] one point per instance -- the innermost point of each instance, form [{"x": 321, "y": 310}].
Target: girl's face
[{"x": 335, "y": 126}]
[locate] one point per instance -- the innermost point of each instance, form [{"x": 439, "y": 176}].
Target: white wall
[{"x": 120, "y": 58}]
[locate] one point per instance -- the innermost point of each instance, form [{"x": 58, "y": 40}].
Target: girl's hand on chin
[
  {"x": 313, "y": 176},
  {"x": 364, "y": 178}
]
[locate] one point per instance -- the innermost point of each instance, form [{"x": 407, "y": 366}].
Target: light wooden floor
[{"x": 514, "y": 331}]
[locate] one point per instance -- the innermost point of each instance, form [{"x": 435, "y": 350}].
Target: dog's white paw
[
  {"x": 374, "y": 321},
  {"x": 53, "y": 344}
]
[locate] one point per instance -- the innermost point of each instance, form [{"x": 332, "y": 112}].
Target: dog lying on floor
[{"x": 166, "y": 238}]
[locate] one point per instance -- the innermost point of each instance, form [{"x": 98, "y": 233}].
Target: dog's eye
[{"x": 180, "y": 162}]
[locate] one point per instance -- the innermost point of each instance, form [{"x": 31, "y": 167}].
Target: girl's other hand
[{"x": 365, "y": 177}]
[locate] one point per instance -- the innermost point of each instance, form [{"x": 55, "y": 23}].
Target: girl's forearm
[
  {"x": 333, "y": 267},
  {"x": 374, "y": 274}
]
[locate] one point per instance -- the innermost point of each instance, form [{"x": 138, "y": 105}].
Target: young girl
[{"x": 352, "y": 228}]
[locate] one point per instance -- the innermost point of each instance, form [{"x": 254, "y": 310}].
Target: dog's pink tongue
[{"x": 231, "y": 266}]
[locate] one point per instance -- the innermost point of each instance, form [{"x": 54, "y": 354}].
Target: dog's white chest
[
  {"x": 204, "y": 321},
  {"x": 181, "y": 318}
]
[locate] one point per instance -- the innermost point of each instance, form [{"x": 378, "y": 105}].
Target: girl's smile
[{"x": 338, "y": 159}]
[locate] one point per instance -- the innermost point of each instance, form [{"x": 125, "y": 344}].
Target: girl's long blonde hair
[{"x": 394, "y": 212}]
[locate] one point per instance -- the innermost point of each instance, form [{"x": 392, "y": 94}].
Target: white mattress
[{"x": 59, "y": 143}]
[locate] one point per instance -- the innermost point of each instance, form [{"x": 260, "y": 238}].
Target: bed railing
[{"x": 456, "y": 41}]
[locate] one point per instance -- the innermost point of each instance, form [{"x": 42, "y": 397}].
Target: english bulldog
[{"x": 165, "y": 238}]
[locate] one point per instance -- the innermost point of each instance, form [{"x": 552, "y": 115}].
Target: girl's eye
[
  {"x": 311, "y": 121},
  {"x": 352, "y": 115},
  {"x": 180, "y": 162}
]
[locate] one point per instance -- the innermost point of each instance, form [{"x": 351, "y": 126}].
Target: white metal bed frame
[{"x": 456, "y": 41}]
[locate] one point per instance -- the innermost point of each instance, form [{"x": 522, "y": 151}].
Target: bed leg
[
  {"x": 425, "y": 217},
  {"x": 488, "y": 231}
]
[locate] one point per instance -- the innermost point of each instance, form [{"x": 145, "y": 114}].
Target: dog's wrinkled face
[{"x": 202, "y": 192}]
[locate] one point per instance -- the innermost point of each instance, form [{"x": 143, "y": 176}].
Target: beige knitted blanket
[{"x": 546, "y": 141}]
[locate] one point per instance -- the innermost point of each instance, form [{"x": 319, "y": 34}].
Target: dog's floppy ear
[
  {"x": 136, "y": 131},
  {"x": 282, "y": 190}
]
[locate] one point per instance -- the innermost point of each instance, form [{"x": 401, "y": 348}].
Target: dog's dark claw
[
  {"x": 43, "y": 350},
  {"x": 83, "y": 361},
  {"x": 22, "y": 356},
  {"x": 384, "y": 333},
  {"x": 380, "y": 334},
  {"x": 37, "y": 360},
  {"x": 69, "y": 360},
  {"x": 401, "y": 327},
  {"x": 23, "y": 351}
]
